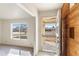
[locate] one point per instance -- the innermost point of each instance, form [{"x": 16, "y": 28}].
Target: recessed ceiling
[
  {"x": 12, "y": 11},
  {"x": 48, "y": 6}
]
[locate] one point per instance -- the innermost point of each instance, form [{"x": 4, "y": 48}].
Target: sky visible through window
[
  {"x": 19, "y": 31},
  {"x": 49, "y": 26}
]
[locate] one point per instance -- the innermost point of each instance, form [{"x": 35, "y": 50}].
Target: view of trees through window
[
  {"x": 50, "y": 26},
  {"x": 19, "y": 31}
]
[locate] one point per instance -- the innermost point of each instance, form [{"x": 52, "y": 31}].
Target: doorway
[{"x": 50, "y": 41}]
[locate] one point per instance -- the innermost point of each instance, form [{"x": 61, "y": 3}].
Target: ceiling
[
  {"x": 47, "y": 6},
  {"x": 12, "y": 11}
]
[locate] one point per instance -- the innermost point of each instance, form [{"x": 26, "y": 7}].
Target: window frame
[{"x": 11, "y": 28}]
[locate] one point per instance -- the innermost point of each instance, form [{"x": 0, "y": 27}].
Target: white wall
[
  {"x": 6, "y": 32},
  {"x": 0, "y": 30},
  {"x": 51, "y": 13},
  {"x": 33, "y": 11},
  {"x": 58, "y": 18}
]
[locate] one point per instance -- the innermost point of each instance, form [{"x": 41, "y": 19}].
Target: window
[
  {"x": 18, "y": 31},
  {"x": 49, "y": 27}
]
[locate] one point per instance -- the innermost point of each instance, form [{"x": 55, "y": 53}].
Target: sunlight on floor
[{"x": 16, "y": 52}]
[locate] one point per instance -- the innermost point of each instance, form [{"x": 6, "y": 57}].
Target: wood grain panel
[
  {"x": 70, "y": 18},
  {"x": 73, "y": 21},
  {"x": 64, "y": 14},
  {"x": 64, "y": 10}
]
